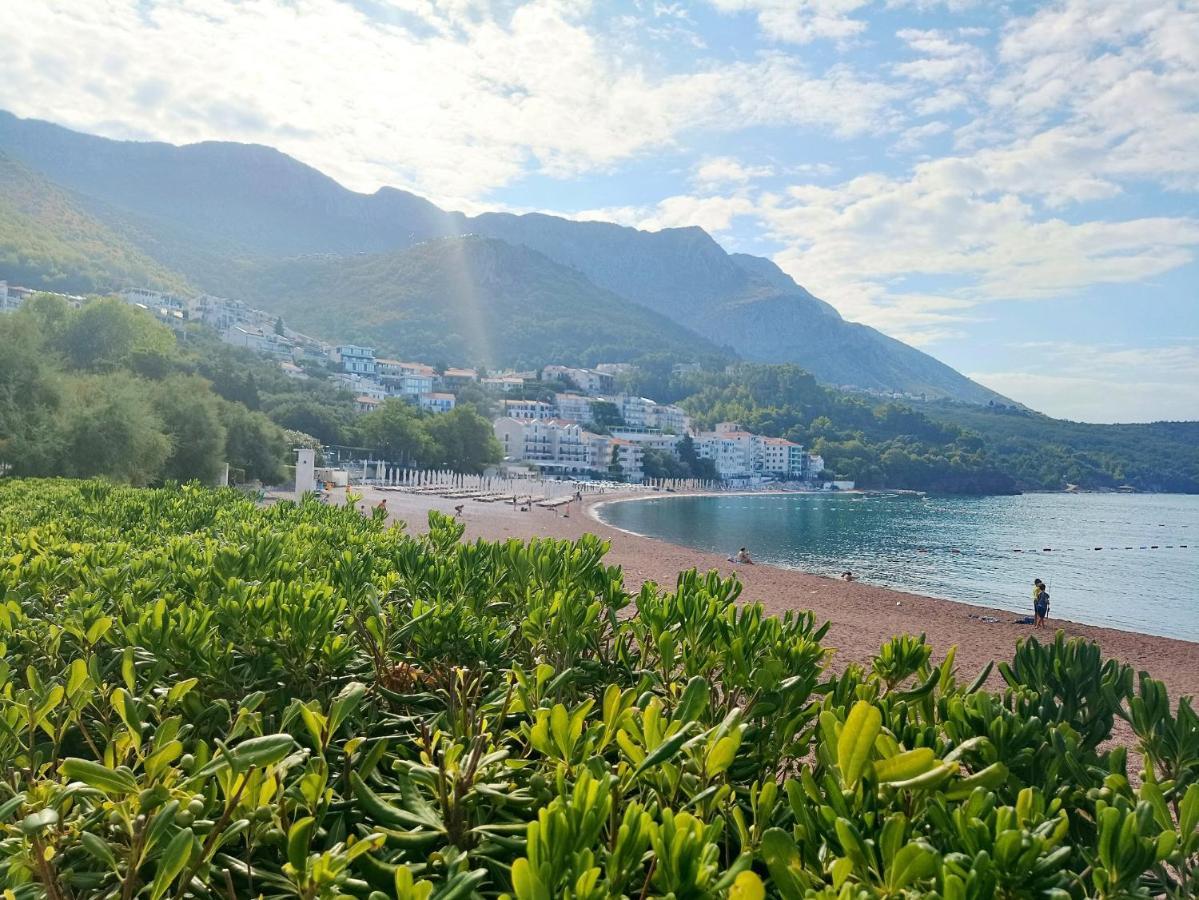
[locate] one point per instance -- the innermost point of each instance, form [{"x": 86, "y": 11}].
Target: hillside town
[{"x": 586, "y": 427}]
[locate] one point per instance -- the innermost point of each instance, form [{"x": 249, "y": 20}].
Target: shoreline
[{"x": 862, "y": 616}]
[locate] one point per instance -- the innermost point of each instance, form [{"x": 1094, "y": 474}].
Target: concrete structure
[
  {"x": 503, "y": 383},
  {"x": 669, "y": 418},
  {"x": 573, "y": 408},
  {"x": 550, "y": 444},
  {"x": 436, "y": 402},
  {"x": 365, "y": 404},
  {"x": 12, "y": 297},
  {"x": 356, "y": 360},
  {"x": 305, "y": 471},
  {"x": 784, "y": 459},
  {"x": 456, "y": 378},
  {"x": 637, "y": 412},
  {"x": 651, "y": 440},
  {"x": 527, "y": 409},
  {"x": 258, "y": 340},
  {"x": 737, "y": 454},
  {"x": 591, "y": 381}
]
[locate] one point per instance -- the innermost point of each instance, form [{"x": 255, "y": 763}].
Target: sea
[{"x": 1126, "y": 561}]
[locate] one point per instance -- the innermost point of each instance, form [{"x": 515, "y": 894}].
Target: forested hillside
[
  {"x": 48, "y": 240},
  {"x": 468, "y": 301},
  {"x": 1049, "y": 454}
]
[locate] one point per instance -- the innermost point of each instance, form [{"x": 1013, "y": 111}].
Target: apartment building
[
  {"x": 551, "y": 444},
  {"x": 456, "y": 378},
  {"x": 783, "y": 459},
  {"x": 527, "y": 409},
  {"x": 737, "y": 454},
  {"x": 356, "y": 360},
  {"x": 436, "y": 402},
  {"x": 591, "y": 381},
  {"x": 573, "y": 408},
  {"x": 665, "y": 417}
]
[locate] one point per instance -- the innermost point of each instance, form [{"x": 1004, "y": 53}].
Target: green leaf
[
  {"x": 173, "y": 859},
  {"x": 857, "y": 739},
  {"x": 916, "y": 861},
  {"x": 180, "y": 688},
  {"x": 100, "y": 777},
  {"x": 298, "y": 838},
  {"x": 664, "y": 751},
  {"x": 784, "y": 863},
  {"x": 98, "y": 848},
  {"x": 905, "y": 765},
  {"x": 39, "y": 821}
]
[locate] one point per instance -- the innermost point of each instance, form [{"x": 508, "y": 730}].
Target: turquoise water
[{"x": 909, "y": 542}]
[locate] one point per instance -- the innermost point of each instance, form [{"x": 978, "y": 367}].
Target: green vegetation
[
  {"x": 104, "y": 390},
  {"x": 1048, "y": 454},
  {"x": 47, "y": 239},
  {"x": 107, "y": 391},
  {"x": 874, "y": 444},
  {"x": 468, "y": 301},
  {"x": 205, "y": 698}
]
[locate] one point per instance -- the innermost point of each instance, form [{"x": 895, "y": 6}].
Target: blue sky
[{"x": 1013, "y": 187}]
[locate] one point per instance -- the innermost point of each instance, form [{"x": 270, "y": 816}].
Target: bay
[{"x": 1127, "y": 561}]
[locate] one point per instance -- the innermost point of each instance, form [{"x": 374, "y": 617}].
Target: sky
[{"x": 1011, "y": 187}]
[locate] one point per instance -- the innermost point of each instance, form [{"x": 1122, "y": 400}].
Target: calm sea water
[{"x": 909, "y": 543}]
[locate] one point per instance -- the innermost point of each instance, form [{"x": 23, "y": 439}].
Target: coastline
[{"x": 862, "y": 616}]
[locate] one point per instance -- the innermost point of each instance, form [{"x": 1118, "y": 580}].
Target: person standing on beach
[{"x": 1040, "y": 603}]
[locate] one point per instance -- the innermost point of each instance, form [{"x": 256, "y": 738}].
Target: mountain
[
  {"x": 467, "y": 300},
  {"x": 47, "y": 238},
  {"x": 219, "y": 213}
]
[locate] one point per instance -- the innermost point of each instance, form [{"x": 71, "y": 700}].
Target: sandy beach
[{"x": 863, "y": 616}]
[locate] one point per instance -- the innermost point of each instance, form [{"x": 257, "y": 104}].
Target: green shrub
[{"x": 201, "y": 697}]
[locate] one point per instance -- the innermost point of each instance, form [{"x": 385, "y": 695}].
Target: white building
[
  {"x": 637, "y": 412},
  {"x": 12, "y": 297},
  {"x": 573, "y": 408},
  {"x": 407, "y": 379},
  {"x": 361, "y": 386},
  {"x": 527, "y": 409},
  {"x": 356, "y": 360},
  {"x": 258, "y": 340},
  {"x": 550, "y": 444},
  {"x": 669, "y": 418},
  {"x": 651, "y": 440},
  {"x": 815, "y": 466},
  {"x": 737, "y": 454},
  {"x": 784, "y": 459},
  {"x": 606, "y": 451},
  {"x": 437, "y": 402},
  {"x": 219, "y": 313},
  {"x": 503, "y": 383},
  {"x": 591, "y": 381},
  {"x": 456, "y": 378}
]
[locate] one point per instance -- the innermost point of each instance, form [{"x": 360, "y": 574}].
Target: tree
[
  {"x": 397, "y": 432},
  {"x": 326, "y": 421},
  {"x": 192, "y": 417},
  {"x": 111, "y": 430},
  {"x": 30, "y": 398},
  {"x": 253, "y": 443},
  {"x": 660, "y": 464},
  {"x": 605, "y": 415},
  {"x": 279, "y": 325},
  {"x": 465, "y": 440},
  {"x": 106, "y": 335}
]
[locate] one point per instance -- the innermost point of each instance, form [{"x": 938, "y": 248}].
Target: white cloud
[
  {"x": 714, "y": 214},
  {"x": 719, "y": 170},
  {"x": 801, "y": 21},
  {"x": 1097, "y": 383},
  {"x": 470, "y": 100}
]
